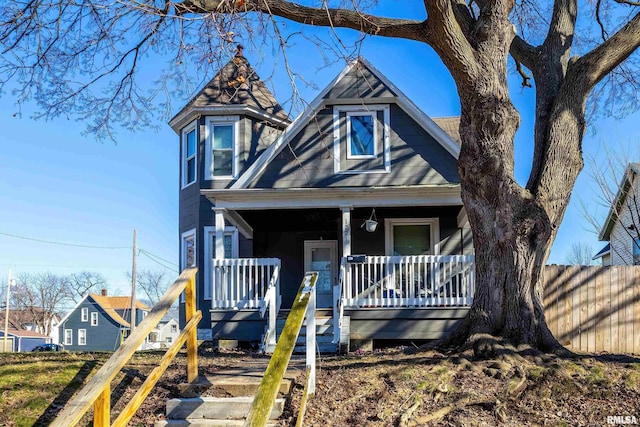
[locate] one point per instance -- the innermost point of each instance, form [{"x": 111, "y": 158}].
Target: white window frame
[
  {"x": 193, "y": 126},
  {"x": 374, "y": 117},
  {"x": 68, "y": 333},
  {"x": 208, "y": 156},
  {"x": 84, "y": 314},
  {"x": 209, "y": 252},
  {"x": 94, "y": 318},
  {"x": 382, "y": 141},
  {"x": 635, "y": 241},
  {"x": 82, "y": 337},
  {"x": 434, "y": 228},
  {"x": 174, "y": 328},
  {"x": 183, "y": 253}
]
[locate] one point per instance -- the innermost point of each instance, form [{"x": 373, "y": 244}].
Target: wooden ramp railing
[
  {"x": 303, "y": 304},
  {"x": 97, "y": 392}
]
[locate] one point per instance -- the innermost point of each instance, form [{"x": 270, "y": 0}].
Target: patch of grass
[{"x": 28, "y": 388}]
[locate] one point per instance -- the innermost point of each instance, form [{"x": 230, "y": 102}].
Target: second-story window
[
  {"x": 189, "y": 154},
  {"x": 221, "y": 146},
  {"x": 84, "y": 314},
  {"x": 636, "y": 250},
  {"x": 94, "y": 318}
]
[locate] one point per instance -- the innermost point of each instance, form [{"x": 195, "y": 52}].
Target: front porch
[{"x": 416, "y": 297}]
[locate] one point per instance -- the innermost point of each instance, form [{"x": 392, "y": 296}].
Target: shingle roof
[
  {"x": 632, "y": 170},
  {"x": 25, "y": 334},
  {"x": 111, "y": 304},
  {"x": 237, "y": 83},
  {"x": 451, "y": 125}
]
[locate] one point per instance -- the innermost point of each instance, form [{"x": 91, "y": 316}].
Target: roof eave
[{"x": 189, "y": 114}]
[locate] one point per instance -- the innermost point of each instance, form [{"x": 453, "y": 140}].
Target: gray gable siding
[
  {"x": 359, "y": 82},
  {"x": 103, "y": 337},
  {"x": 416, "y": 158}
]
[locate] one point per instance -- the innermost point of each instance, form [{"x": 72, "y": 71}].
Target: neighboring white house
[
  {"x": 33, "y": 319},
  {"x": 164, "y": 335},
  {"x": 622, "y": 225}
]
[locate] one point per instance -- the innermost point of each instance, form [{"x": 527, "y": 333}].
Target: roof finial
[{"x": 240, "y": 48}]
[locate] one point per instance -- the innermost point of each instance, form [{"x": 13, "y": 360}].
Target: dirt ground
[
  {"x": 404, "y": 387},
  {"x": 396, "y": 387}
]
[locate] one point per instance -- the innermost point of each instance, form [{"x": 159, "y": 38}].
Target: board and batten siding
[{"x": 594, "y": 309}]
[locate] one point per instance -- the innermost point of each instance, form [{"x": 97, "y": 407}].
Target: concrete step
[
  {"x": 216, "y": 408},
  {"x": 236, "y": 382},
  {"x": 202, "y": 423}
]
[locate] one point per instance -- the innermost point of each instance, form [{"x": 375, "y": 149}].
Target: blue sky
[{"x": 60, "y": 186}]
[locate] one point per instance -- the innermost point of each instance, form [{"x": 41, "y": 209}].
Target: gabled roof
[
  {"x": 632, "y": 171},
  {"x": 110, "y": 305},
  {"x": 20, "y": 317},
  {"x": 604, "y": 251},
  {"x": 448, "y": 139},
  {"x": 236, "y": 85}
]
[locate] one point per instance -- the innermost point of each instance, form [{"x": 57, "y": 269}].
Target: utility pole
[
  {"x": 6, "y": 313},
  {"x": 133, "y": 282}
]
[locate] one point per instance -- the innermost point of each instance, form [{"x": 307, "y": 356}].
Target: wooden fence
[{"x": 594, "y": 309}]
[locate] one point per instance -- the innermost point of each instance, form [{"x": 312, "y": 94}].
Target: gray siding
[
  {"x": 416, "y": 158},
  {"x": 103, "y": 337},
  {"x": 359, "y": 82}
]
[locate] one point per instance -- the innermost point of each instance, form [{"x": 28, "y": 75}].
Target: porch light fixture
[{"x": 372, "y": 223}]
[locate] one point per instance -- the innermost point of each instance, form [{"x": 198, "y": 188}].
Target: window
[
  {"x": 361, "y": 135},
  {"x": 189, "y": 157},
  {"x": 84, "y": 314},
  {"x": 82, "y": 337},
  {"x": 68, "y": 337},
  {"x": 174, "y": 329},
  {"x": 636, "y": 251},
  {"x": 412, "y": 236},
  {"x": 168, "y": 340},
  {"x": 361, "y": 141},
  {"x": 94, "y": 318},
  {"x": 231, "y": 250},
  {"x": 188, "y": 258},
  {"x": 221, "y": 140}
]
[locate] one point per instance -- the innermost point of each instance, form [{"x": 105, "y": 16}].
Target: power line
[
  {"x": 171, "y": 267},
  {"x": 51, "y": 242},
  {"x": 161, "y": 259}
]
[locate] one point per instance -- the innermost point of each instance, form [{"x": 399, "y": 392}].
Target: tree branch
[
  {"x": 326, "y": 17},
  {"x": 595, "y": 65}
]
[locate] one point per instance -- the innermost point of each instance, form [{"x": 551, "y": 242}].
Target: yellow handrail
[
  {"x": 98, "y": 389},
  {"x": 268, "y": 390}
]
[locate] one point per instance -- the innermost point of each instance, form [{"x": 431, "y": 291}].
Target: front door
[{"x": 322, "y": 256}]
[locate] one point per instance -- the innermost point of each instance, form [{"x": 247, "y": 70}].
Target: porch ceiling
[{"x": 296, "y": 198}]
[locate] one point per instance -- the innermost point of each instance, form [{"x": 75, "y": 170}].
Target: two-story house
[
  {"x": 362, "y": 187},
  {"x": 622, "y": 226},
  {"x": 99, "y": 322}
]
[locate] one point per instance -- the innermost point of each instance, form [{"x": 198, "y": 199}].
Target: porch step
[
  {"x": 324, "y": 336},
  {"x": 216, "y": 408}
]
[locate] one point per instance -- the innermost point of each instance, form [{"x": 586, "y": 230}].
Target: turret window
[
  {"x": 189, "y": 154},
  {"x": 222, "y": 147}
]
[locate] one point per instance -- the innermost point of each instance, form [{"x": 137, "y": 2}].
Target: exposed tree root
[
  {"x": 406, "y": 417},
  {"x": 441, "y": 413}
]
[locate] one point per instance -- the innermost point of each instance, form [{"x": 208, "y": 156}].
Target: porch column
[
  {"x": 346, "y": 230},
  {"x": 219, "y": 291}
]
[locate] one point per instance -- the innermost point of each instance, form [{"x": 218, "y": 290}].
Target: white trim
[
  {"x": 183, "y": 255},
  {"x": 320, "y": 102},
  {"x": 73, "y": 310},
  {"x": 210, "y": 231},
  {"x": 84, "y": 314},
  {"x": 233, "y": 121},
  {"x": 64, "y": 337},
  {"x": 94, "y": 316},
  {"x": 239, "y": 222},
  {"x": 193, "y": 126},
  {"x": 303, "y": 198},
  {"x": 372, "y": 110},
  {"x": 189, "y": 114},
  {"x": 374, "y": 118},
  {"x": 346, "y": 230},
  {"x": 82, "y": 333},
  {"x": 434, "y": 230}
]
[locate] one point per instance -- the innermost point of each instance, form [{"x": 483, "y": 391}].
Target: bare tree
[
  {"x": 56, "y": 52},
  {"x": 153, "y": 283},
  {"x": 580, "y": 254},
  {"x": 41, "y": 295},
  {"x": 80, "y": 284}
]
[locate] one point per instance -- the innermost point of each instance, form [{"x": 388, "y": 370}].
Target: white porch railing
[
  {"x": 242, "y": 283},
  {"x": 409, "y": 281}
]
